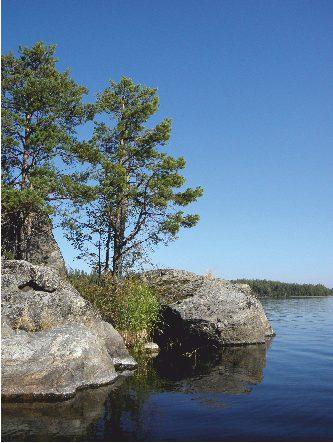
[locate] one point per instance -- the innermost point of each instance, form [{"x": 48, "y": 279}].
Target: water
[{"x": 281, "y": 391}]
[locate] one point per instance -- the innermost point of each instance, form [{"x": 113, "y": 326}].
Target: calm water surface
[{"x": 281, "y": 391}]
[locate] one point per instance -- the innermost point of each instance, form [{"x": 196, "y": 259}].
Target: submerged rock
[
  {"x": 200, "y": 312},
  {"x": 41, "y": 310}
]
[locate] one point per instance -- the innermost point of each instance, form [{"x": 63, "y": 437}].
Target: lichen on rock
[
  {"x": 205, "y": 312},
  {"x": 43, "y": 316}
]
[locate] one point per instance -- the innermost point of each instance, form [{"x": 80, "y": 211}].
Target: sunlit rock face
[
  {"x": 201, "y": 312},
  {"x": 53, "y": 364},
  {"x": 53, "y": 340}
]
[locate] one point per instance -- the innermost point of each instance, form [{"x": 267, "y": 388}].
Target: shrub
[{"x": 130, "y": 305}]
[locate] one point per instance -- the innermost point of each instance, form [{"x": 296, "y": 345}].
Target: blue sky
[{"x": 248, "y": 85}]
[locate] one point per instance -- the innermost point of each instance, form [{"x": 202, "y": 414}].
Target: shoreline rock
[
  {"x": 41, "y": 310},
  {"x": 207, "y": 313},
  {"x": 39, "y": 246},
  {"x": 53, "y": 364}
]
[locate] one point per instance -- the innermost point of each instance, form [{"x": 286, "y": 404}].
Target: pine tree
[
  {"x": 139, "y": 190},
  {"x": 41, "y": 108}
]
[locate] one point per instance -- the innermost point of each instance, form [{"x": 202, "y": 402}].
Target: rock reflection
[
  {"x": 67, "y": 420},
  {"x": 127, "y": 409},
  {"x": 234, "y": 371}
]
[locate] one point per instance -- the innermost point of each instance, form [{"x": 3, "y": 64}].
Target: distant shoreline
[{"x": 277, "y": 289}]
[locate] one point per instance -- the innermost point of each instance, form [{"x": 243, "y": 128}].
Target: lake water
[{"x": 282, "y": 391}]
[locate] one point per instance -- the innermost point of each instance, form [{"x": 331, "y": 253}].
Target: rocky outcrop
[
  {"x": 43, "y": 249},
  {"x": 53, "y": 363},
  {"x": 205, "y": 313},
  {"x": 38, "y": 244},
  {"x": 53, "y": 340},
  {"x": 245, "y": 288}
]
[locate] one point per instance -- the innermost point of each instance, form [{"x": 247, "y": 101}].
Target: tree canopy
[
  {"x": 41, "y": 108},
  {"x": 268, "y": 288},
  {"x": 123, "y": 194},
  {"x": 139, "y": 189}
]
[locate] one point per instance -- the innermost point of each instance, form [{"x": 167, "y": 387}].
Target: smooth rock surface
[
  {"x": 151, "y": 347},
  {"x": 36, "y": 298},
  {"x": 200, "y": 312},
  {"x": 53, "y": 340},
  {"x": 54, "y": 363}
]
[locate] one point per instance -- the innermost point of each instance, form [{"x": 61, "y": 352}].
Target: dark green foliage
[
  {"x": 139, "y": 190},
  {"x": 267, "y": 288},
  {"x": 41, "y": 108},
  {"x": 123, "y": 194}
]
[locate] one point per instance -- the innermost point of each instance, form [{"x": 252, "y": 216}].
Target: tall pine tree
[
  {"x": 139, "y": 189},
  {"x": 41, "y": 108}
]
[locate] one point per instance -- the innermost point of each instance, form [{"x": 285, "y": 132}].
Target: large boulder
[
  {"x": 41, "y": 310},
  {"x": 201, "y": 312},
  {"x": 54, "y": 363}
]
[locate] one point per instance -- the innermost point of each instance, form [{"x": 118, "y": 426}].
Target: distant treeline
[{"x": 267, "y": 288}]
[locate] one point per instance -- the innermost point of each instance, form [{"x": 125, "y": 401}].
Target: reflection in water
[
  {"x": 239, "y": 368},
  {"x": 66, "y": 420},
  {"x": 120, "y": 411},
  {"x": 193, "y": 399}
]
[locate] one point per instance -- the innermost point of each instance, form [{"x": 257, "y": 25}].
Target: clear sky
[{"x": 249, "y": 86}]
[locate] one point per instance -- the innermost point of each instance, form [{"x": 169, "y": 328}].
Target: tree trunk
[
  {"x": 22, "y": 236},
  {"x": 107, "y": 251},
  {"x": 26, "y": 153},
  {"x": 25, "y": 170},
  {"x": 99, "y": 269},
  {"x": 117, "y": 265},
  {"x": 118, "y": 243},
  {"x": 117, "y": 256}
]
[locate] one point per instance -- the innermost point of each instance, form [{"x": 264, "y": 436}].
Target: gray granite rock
[
  {"x": 36, "y": 298},
  {"x": 115, "y": 345},
  {"x": 39, "y": 306},
  {"x": 205, "y": 312},
  {"x": 151, "y": 347},
  {"x": 53, "y": 364},
  {"x": 38, "y": 245}
]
